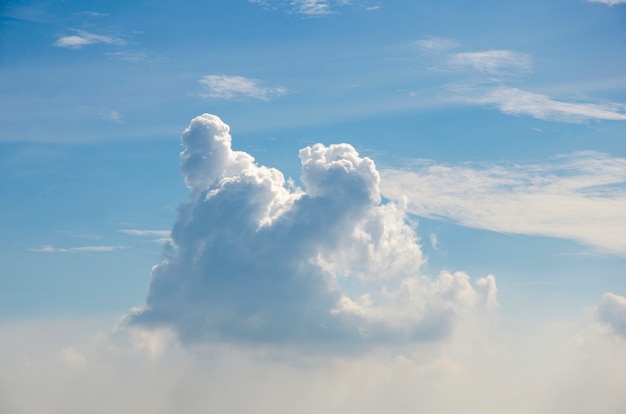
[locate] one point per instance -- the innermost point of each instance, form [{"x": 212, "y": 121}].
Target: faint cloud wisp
[{"x": 230, "y": 87}]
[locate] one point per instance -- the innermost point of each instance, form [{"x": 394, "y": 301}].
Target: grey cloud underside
[
  {"x": 612, "y": 313},
  {"x": 255, "y": 259}
]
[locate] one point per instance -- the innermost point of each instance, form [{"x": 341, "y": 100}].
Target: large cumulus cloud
[{"x": 255, "y": 258}]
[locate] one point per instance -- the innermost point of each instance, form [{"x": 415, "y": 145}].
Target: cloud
[
  {"x": 162, "y": 236},
  {"x": 312, "y": 8},
  {"x": 513, "y": 101},
  {"x": 138, "y": 57},
  {"x": 436, "y": 44},
  {"x": 580, "y": 196},
  {"x": 94, "y": 14},
  {"x": 111, "y": 115},
  {"x": 612, "y": 313},
  {"x": 73, "y": 357},
  {"x": 498, "y": 67},
  {"x": 156, "y": 233},
  {"x": 255, "y": 258},
  {"x": 489, "y": 368},
  {"x": 50, "y": 249},
  {"x": 83, "y": 38},
  {"x": 492, "y": 62},
  {"x": 609, "y": 2},
  {"x": 229, "y": 87}
]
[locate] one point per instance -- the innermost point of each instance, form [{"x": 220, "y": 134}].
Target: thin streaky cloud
[
  {"x": 137, "y": 57},
  {"x": 230, "y": 87},
  {"x": 498, "y": 65},
  {"x": 517, "y": 102},
  {"x": 435, "y": 44},
  {"x": 83, "y": 38},
  {"x": 94, "y": 14},
  {"x": 111, "y": 116},
  {"x": 609, "y": 2},
  {"x": 580, "y": 197},
  {"x": 492, "y": 62},
  {"x": 51, "y": 249},
  {"x": 137, "y": 232},
  {"x": 311, "y": 8},
  {"x": 514, "y": 101}
]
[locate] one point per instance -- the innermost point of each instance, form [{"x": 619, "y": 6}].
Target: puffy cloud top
[
  {"x": 612, "y": 313},
  {"x": 253, "y": 259}
]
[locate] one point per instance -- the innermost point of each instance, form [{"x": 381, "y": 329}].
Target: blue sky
[{"x": 480, "y": 200}]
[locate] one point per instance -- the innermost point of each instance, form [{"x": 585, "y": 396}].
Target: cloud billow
[{"x": 254, "y": 258}]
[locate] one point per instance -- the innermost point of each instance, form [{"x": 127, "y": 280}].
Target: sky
[{"x": 260, "y": 206}]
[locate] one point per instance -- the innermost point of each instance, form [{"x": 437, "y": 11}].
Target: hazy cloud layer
[
  {"x": 229, "y": 87},
  {"x": 72, "y": 367},
  {"x": 580, "y": 196},
  {"x": 255, "y": 258}
]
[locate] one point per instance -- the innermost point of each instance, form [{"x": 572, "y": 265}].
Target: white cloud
[
  {"x": 434, "y": 241},
  {"x": 436, "y": 44},
  {"x": 229, "y": 87},
  {"x": 73, "y": 357},
  {"x": 255, "y": 258},
  {"x": 162, "y": 236},
  {"x": 51, "y": 249},
  {"x": 94, "y": 14},
  {"x": 489, "y": 368},
  {"x": 609, "y": 2},
  {"x": 513, "y": 101},
  {"x": 579, "y": 197},
  {"x": 83, "y": 38},
  {"x": 612, "y": 313},
  {"x": 312, "y": 8},
  {"x": 138, "y": 57},
  {"x": 137, "y": 232},
  {"x": 497, "y": 67},
  {"x": 492, "y": 62},
  {"x": 111, "y": 115}
]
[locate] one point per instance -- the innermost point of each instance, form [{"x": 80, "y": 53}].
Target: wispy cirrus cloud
[
  {"x": 513, "y": 101},
  {"x": 94, "y": 14},
  {"x": 137, "y": 57},
  {"x": 492, "y": 62},
  {"x": 158, "y": 236},
  {"x": 497, "y": 68},
  {"x": 435, "y": 44},
  {"x": 150, "y": 233},
  {"x": 83, "y": 38},
  {"x": 312, "y": 8},
  {"x": 580, "y": 196},
  {"x": 51, "y": 249},
  {"x": 230, "y": 87},
  {"x": 609, "y": 2}
]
